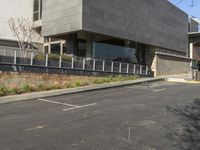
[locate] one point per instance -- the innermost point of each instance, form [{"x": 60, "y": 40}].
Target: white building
[{"x": 14, "y": 9}]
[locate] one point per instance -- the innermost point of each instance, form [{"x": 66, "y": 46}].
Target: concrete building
[
  {"x": 153, "y": 33},
  {"x": 14, "y": 9},
  {"x": 194, "y": 44}
]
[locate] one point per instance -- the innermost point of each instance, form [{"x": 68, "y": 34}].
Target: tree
[{"x": 24, "y": 32}]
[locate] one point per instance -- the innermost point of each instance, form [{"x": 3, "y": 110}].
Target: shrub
[
  {"x": 66, "y": 58},
  {"x": 4, "y": 91},
  {"x": 78, "y": 83},
  {"x": 42, "y": 87},
  {"x": 40, "y": 57},
  {"x": 27, "y": 88},
  {"x": 100, "y": 81},
  {"x": 85, "y": 83},
  {"x": 55, "y": 87},
  {"x": 15, "y": 91},
  {"x": 109, "y": 79},
  {"x": 54, "y": 57},
  {"x": 69, "y": 85}
]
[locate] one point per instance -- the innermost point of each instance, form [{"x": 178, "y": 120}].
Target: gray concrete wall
[
  {"x": 194, "y": 25},
  {"x": 167, "y": 65},
  {"x": 61, "y": 16},
  {"x": 154, "y": 22}
]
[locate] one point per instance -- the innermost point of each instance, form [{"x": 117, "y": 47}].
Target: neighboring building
[
  {"x": 150, "y": 32},
  {"x": 194, "y": 40}
]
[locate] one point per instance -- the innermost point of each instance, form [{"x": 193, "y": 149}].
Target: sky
[{"x": 186, "y": 5}]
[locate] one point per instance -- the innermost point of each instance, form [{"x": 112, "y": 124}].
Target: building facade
[
  {"x": 14, "y": 9},
  {"x": 153, "y": 33},
  {"x": 194, "y": 43}
]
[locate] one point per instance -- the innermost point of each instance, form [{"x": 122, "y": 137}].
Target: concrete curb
[{"x": 36, "y": 95}]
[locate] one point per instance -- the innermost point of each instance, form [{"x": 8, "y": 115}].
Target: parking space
[{"x": 126, "y": 118}]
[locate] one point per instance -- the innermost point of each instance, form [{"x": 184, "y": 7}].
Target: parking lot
[{"x": 157, "y": 116}]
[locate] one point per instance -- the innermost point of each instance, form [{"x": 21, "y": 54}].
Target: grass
[{"x": 5, "y": 91}]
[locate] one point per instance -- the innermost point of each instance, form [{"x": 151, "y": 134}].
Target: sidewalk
[
  {"x": 36, "y": 95},
  {"x": 181, "y": 78}
]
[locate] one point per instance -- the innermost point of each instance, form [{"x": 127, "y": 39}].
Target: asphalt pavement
[{"x": 156, "y": 116}]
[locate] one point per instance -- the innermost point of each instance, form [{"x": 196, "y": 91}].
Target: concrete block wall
[
  {"x": 153, "y": 22},
  {"x": 167, "y": 65},
  {"x": 61, "y": 16},
  {"x": 194, "y": 26}
]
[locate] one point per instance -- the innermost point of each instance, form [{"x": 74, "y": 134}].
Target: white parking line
[
  {"x": 66, "y": 104},
  {"x": 78, "y": 107},
  {"x": 152, "y": 86},
  {"x": 159, "y": 90},
  {"x": 58, "y": 103}
]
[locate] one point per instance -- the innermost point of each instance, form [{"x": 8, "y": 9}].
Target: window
[{"x": 37, "y": 10}]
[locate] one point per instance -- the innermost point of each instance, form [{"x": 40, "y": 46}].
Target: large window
[
  {"x": 115, "y": 52},
  {"x": 37, "y": 10}
]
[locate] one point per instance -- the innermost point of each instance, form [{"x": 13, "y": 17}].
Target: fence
[{"x": 72, "y": 63}]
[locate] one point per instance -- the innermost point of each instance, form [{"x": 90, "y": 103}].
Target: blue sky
[{"x": 185, "y": 5}]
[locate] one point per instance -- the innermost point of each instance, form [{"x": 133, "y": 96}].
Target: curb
[{"x": 36, "y": 95}]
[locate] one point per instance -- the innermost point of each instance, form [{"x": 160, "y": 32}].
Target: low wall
[
  {"x": 169, "y": 65},
  {"x": 197, "y": 75}
]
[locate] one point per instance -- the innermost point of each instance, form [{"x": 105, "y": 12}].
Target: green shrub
[
  {"x": 4, "y": 91},
  {"x": 15, "y": 91},
  {"x": 66, "y": 58},
  {"x": 41, "y": 87},
  {"x": 54, "y": 57},
  {"x": 27, "y": 88},
  {"x": 40, "y": 57},
  {"x": 109, "y": 79},
  {"x": 100, "y": 81},
  {"x": 78, "y": 83}
]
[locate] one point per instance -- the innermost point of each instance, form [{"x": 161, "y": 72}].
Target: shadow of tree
[{"x": 185, "y": 132}]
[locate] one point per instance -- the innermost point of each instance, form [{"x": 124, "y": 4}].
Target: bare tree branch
[{"x": 24, "y": 31}]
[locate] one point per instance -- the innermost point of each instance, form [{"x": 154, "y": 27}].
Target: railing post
[
  {"x": 72, "y": 62},
  {"x": 94, "y": 64},
  {"x": 32, "y": 54},
  {"x": 134, "y": 69},
  {"x": 140, "y": 69},
  {"x": 120, "y": 67},
  {"x": 15, "y": 57},
  {"x": 103, "y": 65},
  {"x": 60, "y": 62},
  {"x": 4, "y": 53},
  {"x": 83, "y": 63},
  {"x": 47, "y": 60},
  {"x": 127, "y": 68},
  {"x": 112, "y": 66},
  {"x": 147, "y": 68}
]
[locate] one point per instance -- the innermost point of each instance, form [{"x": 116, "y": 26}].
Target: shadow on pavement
[{"x": 185, "y": 132}]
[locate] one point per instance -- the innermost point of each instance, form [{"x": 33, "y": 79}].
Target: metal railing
[{"x": 78, "y": 63}]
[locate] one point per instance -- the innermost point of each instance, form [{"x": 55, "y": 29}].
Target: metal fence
[{"x": 76, "y": 63}]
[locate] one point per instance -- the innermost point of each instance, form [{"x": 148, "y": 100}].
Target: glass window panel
[
  {"x": 55, "y": 48},
  {"x": 36, "y": 5},
  {"x": 115, "y": 53}
]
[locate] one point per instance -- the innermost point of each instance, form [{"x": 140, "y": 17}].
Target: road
[{"x": 157, "y": 116}]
